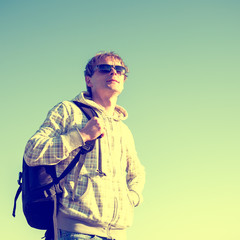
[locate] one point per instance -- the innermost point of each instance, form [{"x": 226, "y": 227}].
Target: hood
[{"x": 119, "y": 113}]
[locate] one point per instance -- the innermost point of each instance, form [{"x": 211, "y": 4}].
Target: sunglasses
[{"x": 106, "y": 68}]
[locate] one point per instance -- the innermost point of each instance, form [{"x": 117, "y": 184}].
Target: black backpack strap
[
  {"x": 17, "y": 193},
  {"x": 52, "y": 232},
  {"x": 89, "y": 145},
  {"x": 69, "y": 168},
  {"x": 89, "y": 112}
]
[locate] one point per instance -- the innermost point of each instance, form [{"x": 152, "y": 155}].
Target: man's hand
[{"x": 93, "y": 129}]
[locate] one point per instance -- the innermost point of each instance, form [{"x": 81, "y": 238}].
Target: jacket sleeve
[
  {"x": 135, "y": 171},
  {"x": 55, "y": 139}
]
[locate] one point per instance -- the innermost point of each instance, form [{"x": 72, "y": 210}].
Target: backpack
[{"x": 41, "y": 188}]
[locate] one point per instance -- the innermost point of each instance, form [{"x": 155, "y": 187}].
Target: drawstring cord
[
  {"x": 79, "y": 167},
  {"x": 99, "y": 170}
]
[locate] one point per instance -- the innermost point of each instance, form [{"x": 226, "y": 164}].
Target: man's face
[{"x": 103, "y": 84}]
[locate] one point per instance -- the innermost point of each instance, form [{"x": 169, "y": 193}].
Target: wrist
[{"x": 83, "y": 135}]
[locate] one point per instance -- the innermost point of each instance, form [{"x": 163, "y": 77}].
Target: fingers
[
  {"x": 93, "y": 129},
  {"x": 97, "y": 125}
]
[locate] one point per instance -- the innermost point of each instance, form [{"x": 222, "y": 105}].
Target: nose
[{"x": 113, "y": 70}]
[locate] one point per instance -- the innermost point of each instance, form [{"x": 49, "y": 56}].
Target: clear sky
[{"x": 182, "y": 96}]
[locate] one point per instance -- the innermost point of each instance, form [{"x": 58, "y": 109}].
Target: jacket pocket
[
  {"x": 125, "y": 210},
  {"x": 130, "y": 199},
  {"x": 87, "y": 202},
  {"x": 94, "y": 199}
]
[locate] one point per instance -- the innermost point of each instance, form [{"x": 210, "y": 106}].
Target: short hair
[{"x": 89, "y": 69}]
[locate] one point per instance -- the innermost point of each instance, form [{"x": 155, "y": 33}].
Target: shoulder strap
[
  {"x": 87, "y": 110},
  {"x": 89, "y": 145}
]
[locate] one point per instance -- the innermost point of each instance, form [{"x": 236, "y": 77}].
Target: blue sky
[{"x": 182, "y": 96}]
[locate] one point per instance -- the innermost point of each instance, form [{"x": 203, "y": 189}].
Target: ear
[{"x": 88, "y": 81}]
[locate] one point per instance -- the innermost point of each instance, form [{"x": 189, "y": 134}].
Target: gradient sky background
[{"x": 182, "y": 96}]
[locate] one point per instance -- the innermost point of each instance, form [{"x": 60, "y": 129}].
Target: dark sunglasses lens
[
  {"x": 120, "y": 69},
  {"x": 104, "y": 68}
]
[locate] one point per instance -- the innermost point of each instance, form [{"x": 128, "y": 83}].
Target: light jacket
[{"x": 91, "y": 203}]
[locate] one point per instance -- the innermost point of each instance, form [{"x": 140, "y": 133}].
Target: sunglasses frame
[{"x": 123, "y": 70}]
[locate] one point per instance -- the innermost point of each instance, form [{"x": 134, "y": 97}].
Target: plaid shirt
[{"x": 102, "y": 200}]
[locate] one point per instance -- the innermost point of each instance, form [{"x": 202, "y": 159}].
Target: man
[{"x": 98, "y": 200}]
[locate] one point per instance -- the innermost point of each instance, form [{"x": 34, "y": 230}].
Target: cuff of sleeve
[{"x": 74, "y": 139}]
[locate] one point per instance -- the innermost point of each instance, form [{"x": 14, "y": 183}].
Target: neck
[{"x": 107, "y": 103}]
